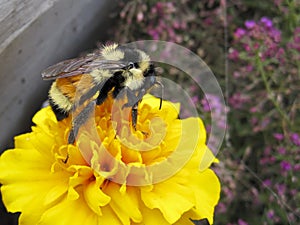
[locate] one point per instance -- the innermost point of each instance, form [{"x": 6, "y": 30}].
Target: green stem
[{"x": 269, "y": 90}]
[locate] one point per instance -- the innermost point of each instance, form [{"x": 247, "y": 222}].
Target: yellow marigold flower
[{"x": 114, "y": 174}]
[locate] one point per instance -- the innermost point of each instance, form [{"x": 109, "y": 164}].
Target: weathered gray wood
[
  {"x": 16, "y": 16},
  {"x": 35, "y": 34}
]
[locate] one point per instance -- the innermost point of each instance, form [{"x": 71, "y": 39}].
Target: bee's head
[
  {"x": 136, "y": 63},
  {"x": 137, "y": 69}
]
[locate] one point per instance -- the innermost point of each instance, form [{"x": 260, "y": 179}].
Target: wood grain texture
[
  {"x": 35, "y": 34},
  {"x": 17, "y": 15}
]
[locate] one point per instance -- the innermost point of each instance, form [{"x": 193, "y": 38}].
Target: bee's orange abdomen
[{"x": 74, "y": 86}]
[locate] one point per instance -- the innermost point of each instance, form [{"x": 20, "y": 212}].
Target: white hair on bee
[
  {"x": 100, "y": 75},
  {"x": 110, "y": 52},
  {"x": 144, "y": 60}
]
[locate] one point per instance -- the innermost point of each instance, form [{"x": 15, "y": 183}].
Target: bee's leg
[
  {"x": 112, "y": 82},
  {"x": 118, "y": 92},
  {"x": 141, "y": 93},
  {"x": 134, "y": 109},
  {"x": 162, "y": 93},
  {"x": 104, "y": 92},
  {"x": 79, "y": 120},
  {"x": 134, "y": 114},
  {"x": 60, "y": 115},
  {"x": 133, "y": 102},
  {"x": 131, "y": 98},
  {"x": 101, "y": 97}
]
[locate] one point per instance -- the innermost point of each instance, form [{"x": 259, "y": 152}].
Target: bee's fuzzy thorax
[
  {"x": 100, "y": 75},
  {"x": 110, "y": 52}
]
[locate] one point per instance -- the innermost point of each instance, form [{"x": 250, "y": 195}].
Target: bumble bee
[{"x": 82, "y": 83}]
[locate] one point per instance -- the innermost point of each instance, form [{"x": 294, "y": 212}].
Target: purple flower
[
  {"x": 237, "y": 100},
  {"x": 253, "y": 109},
  {"x": 285, "y": 165},
  {"x": 275, "y": 35},
  {"x": 212, "y": 103},
  {"x": 205, "y": 105},
  {"x": 295, "y": 43},
  {"x": 267, "y": 183},
  {"x": 247, "y": 47},
  {"x": 297, "y": 167},
  {"x": 281, "y": 188},
  {"x": 155, "y": 35},
  {"x": 239, "y": 33},
  {"x": 242, "y": 222},
  {"x": 195, "y": 99},
  {"x": 295, "y": 139},
  {"x": 264, "y": 161},
  {"x": 268, "y": 150},
  {"x": 249, "y": 68},
  {"x": 250, "y": 24},
  {"x": 272, "y": 159},
  {"x": 294, "y": 192},
  {"x": 221, "y": 208},
  {"x": 270, "y": 214},
  {"x": 278, "y": 136},
  {"x": 159, "y": 7},
  {"x": 176, "y": 24},
  {"x": 233, "y": 54},
  {"x": 282, "y": 150},
  {"x": 280, "y": 55},
  {"x": 254, "y": 121},
  {"x": 297, "y": 30},
  {"x": 267, "y": 22}
]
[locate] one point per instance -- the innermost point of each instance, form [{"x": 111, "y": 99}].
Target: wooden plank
[
  {"x": 17, "y": 15},
  {"x": 63, "y": 30}
]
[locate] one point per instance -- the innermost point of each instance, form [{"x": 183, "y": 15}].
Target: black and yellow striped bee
[{"x": 81, "y": 83}]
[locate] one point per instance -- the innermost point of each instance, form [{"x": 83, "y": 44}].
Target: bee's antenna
[{"x": 162, "y": 93}]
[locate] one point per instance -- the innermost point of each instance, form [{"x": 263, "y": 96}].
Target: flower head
[
  {"x": 266, "y": 21},
  {"x": 239, "y": 33},
  {"x": 114, "y": 174},
  {"x": 285, "y": 165},
  {"x": 295, "y": 138},
  {"x": 250, "y": 24}
]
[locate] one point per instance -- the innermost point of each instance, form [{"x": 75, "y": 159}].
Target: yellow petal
[
  {"x": 43, "y": 117},
  {"x": 168, "y": 112},
  {"x": 152, "y": 217},
  {"x": 75, "y": 156},
  {"x": 186, "y": 218},
  {"x": 109, "y": 217},
  {"x": 23, "y": 165},
  {"x": 24, "y": 141},
  {"x": 75, "y": 212},
  {"x": 81, "y": 175},
  {"x": 25, "y": 176},
  {"x": 124, "y": 205},
  {"x": 206, "y": 187},
  {"x": 171, "y": 197},
  {"x": 94, "y": 196}
]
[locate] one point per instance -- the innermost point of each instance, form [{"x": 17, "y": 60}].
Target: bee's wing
[{"x": 77, "y": 66}]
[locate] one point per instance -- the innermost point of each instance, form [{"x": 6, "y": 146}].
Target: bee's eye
[{"x": 130, "y": 65}]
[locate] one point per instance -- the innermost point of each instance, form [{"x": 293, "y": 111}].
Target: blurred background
[{"x": 252, "y": 47}]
